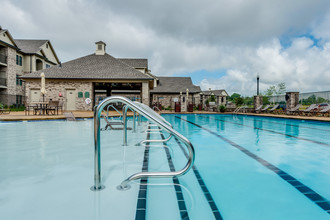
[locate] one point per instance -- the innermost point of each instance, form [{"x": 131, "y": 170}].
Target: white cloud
[{"x": 179, "y": 37}]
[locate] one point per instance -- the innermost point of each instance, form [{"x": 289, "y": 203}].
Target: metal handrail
[
  {"x": 120, "y": 115},
  {"x": 149, "y": 110},
  {"x": 97, "y": 144},
  {"x": 153, "y": 108}
]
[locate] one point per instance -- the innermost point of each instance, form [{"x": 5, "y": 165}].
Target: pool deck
[{"x": 20, "y": 116}]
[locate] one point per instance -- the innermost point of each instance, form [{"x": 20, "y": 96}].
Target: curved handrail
[
  {"x": 153, "y": 108},
  {"x": 146, "y": 114},
  {"x": 120, "y": 115},
  {"x": 149, "y": 110}
]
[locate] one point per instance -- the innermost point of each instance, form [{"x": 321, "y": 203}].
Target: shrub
[{"x": 222, "y": 108}]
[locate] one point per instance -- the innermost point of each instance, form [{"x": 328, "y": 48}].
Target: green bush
[{"x": 222, "y": 108}]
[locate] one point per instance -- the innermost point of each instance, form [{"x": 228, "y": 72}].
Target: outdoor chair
[
  {"x": 111, "y": 123},
  {"x": 295, "y": 110},
  {"x": 265, "y": 108},
  {"x": 273, "y": 108},
  {"x": 52, "y": 108},
  {"x": 325, "y": 111},
  {"x": 4, "y": 111},
  {"x": 28, "y": 108},
  {"x": 257, "y": 110},
  {"x": 309, "y": 110},
  {"x": 60, "y": 107}
]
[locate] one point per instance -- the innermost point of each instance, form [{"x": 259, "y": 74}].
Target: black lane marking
[
  {"x": 177, "y": 187},
  {"x": 142, "y": 198},
  {"x": 275, "y": 132},
  {"x": 319, "y": 200},
  {"x": 299, "y": 126},
  {"x": 205, "y": 190}
]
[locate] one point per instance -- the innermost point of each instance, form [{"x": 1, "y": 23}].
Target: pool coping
[{"x": 89, "y": 114}]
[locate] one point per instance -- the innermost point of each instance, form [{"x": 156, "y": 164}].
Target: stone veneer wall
[
  {"x": 54, "y": 87},
  {"x": 8, "y": 95},
  {"x": 168, "y": 99}
]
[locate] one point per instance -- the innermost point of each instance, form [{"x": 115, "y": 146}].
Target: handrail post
[
  {"x": 125, "y": 125},
  {"x": 97, "y": 151},
  {"x": 134, "y": 126}
]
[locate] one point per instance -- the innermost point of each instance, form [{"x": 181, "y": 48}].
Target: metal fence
[{"x": 306, "y": 98}]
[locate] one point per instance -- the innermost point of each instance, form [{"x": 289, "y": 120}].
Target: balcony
[
  {"x": 3, "y": 60},
  {"x": 3, "y": 80}
]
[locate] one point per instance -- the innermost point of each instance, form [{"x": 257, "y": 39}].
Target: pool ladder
[{"x": 148, "y": 113}]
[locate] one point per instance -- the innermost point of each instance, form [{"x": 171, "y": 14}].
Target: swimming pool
[{"x": 246, "y": 168}]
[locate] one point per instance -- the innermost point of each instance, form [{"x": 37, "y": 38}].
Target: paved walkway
[{"x": 20, "y": 116}]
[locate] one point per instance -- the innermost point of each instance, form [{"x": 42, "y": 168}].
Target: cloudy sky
[{"x": 221, "y": 44}]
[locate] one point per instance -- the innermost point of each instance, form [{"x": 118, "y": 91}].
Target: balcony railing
[
  {"x": 3, "y": 80},
  {"x": 3, "y": 59}
]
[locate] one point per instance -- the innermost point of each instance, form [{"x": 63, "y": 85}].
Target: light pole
[{"x": 258, "y": 84}]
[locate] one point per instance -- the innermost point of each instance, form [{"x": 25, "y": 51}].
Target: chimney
[{"x": 100, "y": 48}]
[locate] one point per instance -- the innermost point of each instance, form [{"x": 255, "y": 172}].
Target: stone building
[
  {"x": 174, "y": 89},
  {"x": 219, "y": 95},
  {"x": 18, "y": 57},
  {"x": 94, "y": 76}
]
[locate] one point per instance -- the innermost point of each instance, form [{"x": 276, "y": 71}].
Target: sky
[{"x": 220, "y": 44}]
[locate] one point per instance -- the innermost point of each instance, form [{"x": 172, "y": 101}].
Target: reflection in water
[
  {"x": 257, "y": 124},
  {"x": 291, "y": 130}
]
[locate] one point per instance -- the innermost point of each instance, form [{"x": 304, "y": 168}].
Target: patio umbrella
[{"x": 43, "y": 86}]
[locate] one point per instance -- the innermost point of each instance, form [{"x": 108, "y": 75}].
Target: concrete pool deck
[{"x": 20, "y": 116}]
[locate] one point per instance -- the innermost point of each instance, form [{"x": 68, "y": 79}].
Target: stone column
[
  {"x": 257, "y": 101},
  {"x": 145, "y": 93},
  {"x": 292, "y": 100},
  {"x": 183, "y": 103}
]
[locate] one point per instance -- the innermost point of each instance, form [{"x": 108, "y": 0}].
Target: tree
[
  {"x": 270, "y": 91},
  {"x": 239, "y": 101},
  {"x": 281, "y": 88},
  {"x": 234, "y": 96}
]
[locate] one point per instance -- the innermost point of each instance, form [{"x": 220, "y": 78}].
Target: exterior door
[
  {"x": 35, "y": 95},
  {"x": 70, "y": 99}
]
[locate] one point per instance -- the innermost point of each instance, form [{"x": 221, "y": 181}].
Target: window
[
  {"x": 19, "y": 99},
  {"x": 18, "y": 60},
  {"x": 18, "y": 80},
  {"x": 47, "y": 65},
  {"x": 46, "y": 45},
  {"x": 99, "y": 47}
]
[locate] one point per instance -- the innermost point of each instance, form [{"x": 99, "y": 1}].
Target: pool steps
[{"x": 148, "y": 113}]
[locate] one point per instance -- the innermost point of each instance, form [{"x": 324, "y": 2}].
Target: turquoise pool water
[{"x": 246, "y": 168}]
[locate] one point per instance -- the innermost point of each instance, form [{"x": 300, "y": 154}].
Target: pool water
[{"x": 246, "y": 168}]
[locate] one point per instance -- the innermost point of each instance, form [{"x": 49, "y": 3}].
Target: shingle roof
[
  {"x": 136, "y": 63},
  {"x": 175, "y": 85},
  {"x": 30, "y": 46},
  {"x": 91, "y": 67},
  {"x": 215, "y": 92}
]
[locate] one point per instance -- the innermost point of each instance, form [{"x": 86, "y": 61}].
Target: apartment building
[{"x": 19, "y": 57}]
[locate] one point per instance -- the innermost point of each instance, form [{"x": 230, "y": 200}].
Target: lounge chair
[
  {"x": 325, "y": 111},
  {"x": 295, "y": 110},
  {"x": 265, "y": 108},
  {"x": 257, "y": 110},
  {"x": 4, "y": 111},
  {"x": 111, "y": 123},
  {"x": 273, "y": 108},
  {"x": 309, "y": 110}
]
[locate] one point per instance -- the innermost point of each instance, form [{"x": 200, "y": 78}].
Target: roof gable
[
  {"x": 175, "y": 85},
  {"x": 30, "y": 46},
  {"x": 91, "y": 67},
  {"x": 6, "y": 37}
]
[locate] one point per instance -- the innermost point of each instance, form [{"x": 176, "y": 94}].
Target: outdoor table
[{"x": 42, "y": 106}]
